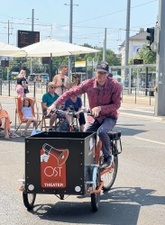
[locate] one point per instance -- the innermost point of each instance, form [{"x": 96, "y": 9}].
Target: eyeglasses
[
  {"x": 100, "y": 72},
  {"x": 52, "y": 87}
]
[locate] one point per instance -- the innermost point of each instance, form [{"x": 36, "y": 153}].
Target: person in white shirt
[{"x": 28, "y": 114}]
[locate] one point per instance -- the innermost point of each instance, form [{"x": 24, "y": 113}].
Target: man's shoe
[{"x": 108, "y": 162}]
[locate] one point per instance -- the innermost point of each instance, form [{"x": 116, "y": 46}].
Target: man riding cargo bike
[
  {"x": 77, "y": 163},
  {"x": 104, "y": 96}
]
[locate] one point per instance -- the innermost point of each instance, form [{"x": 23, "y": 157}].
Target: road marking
[
  {"x": 156, "y": 142},
  {"x": 138, "y": 110},
  {"x": 145, "y": 117}
]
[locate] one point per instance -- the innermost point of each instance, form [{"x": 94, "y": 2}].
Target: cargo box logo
[{"x": 53, "y": 166}]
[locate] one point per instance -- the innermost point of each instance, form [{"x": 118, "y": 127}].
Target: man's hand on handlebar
[
  {"x": 50, "y": 109},
  {"x": 96, "y": 111}
]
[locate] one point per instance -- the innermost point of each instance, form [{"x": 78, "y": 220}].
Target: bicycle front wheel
[
  {"x": 109, "y": 177},
  {"x": 95, "y": 197},
  {"x": 29, "y": 199}
]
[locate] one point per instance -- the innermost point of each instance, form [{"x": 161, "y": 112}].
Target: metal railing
[{"x": 37, "y": 89}]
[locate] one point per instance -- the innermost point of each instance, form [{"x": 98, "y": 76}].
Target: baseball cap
[{"x": 102, "y": 67}]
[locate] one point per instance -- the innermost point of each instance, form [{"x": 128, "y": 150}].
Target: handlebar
[
  {"x": 88, "y": 112},
  {"x": 70, "y": 112},
  {"x": 63, "y": 112}
]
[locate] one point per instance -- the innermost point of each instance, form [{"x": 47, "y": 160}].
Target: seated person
[
  {"x": 75, "y": 103},
  {"x": 4, "y": 122},
  {"x": 47, "y": 100},
  {"x": 27, "y": 112}
]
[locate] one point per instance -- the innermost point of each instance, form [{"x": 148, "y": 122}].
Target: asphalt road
[{"x": 137, "y": 197}]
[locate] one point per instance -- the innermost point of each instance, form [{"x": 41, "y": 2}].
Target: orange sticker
[{"x": 53, "y": 166}]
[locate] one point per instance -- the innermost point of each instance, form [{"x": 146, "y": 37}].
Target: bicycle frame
[
  {"x": 110, "y": 172},
  {"x": 97, "y": 158}
]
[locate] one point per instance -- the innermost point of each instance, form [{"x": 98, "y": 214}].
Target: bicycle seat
[{"x": 114, "y": 135}]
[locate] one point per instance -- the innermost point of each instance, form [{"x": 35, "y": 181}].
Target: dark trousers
[
  {"x": 82, "y": 119},
  {"x": 102, "y": 131}
]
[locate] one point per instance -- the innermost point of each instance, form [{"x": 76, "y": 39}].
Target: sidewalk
[{"x": 141, "y": 107}]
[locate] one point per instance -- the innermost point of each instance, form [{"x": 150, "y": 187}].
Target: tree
[
  {"x": 148, "y": 56},
  {"x": 111, "y": 57}
]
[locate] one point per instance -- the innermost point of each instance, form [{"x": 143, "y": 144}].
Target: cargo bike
[{"x": 68, "y": 163}]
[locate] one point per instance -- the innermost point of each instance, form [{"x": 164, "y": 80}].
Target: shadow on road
[
  {"x": 129, "y": 131},
  {"x": 119, "y": 206}
]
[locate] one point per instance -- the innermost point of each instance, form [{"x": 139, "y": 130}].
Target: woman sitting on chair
[
  {"x": 27, "y": 112},
  {"x": 4, "y": 122}
]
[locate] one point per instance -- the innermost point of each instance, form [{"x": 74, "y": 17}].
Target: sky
[{"x": 90, "y": 20}]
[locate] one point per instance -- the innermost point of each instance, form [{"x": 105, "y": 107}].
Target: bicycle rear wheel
[{"x": 109, "y": 177}]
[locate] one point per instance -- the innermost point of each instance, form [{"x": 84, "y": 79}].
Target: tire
[
  {"x": 109, "y": 177},
  {"x": 95, "y": 201},
  {"x": 95, "y": 198},
  {"x": 29, "y": 199}
]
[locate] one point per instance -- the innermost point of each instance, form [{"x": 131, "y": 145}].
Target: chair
[
  {"x": 45, "y": 119},
  {"x": 19, "y": 121},
  {"x": 44, "y": 122}
]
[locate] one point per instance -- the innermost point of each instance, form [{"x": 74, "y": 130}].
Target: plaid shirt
[{"x": 108, "y": 97}]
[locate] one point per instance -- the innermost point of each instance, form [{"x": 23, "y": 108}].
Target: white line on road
[
  {"x": 145, "y": 117},
  {"x": 138, "y": 110},
  {"x": 156, "y": 142}
]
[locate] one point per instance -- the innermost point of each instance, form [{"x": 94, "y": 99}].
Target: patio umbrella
[
  {"x": 52, "y": 47},
  {"x": 9, "y": 50}
]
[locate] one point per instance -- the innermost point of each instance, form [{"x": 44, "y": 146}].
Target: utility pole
[
  {"x": 8, "y": 32},
  {"x": 71, "y": 21},
  {"x": 127, "y": 39},
  {"x": 31, "y": 62},
  {"x": 105, "y": 45},
  {"x": 70, "y": 37},
  {"x": 32, "y": 19},
  {"x": 32, "y": 24},
  {"x": 70, "y": 41},
  {"x": 160, "y": 75}
]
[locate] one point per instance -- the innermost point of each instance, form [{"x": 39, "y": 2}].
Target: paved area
[
  {"x": 140, "y": 107},
  {"x": 134, "y": 104},
  {"x": 137, "y": 197}
]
